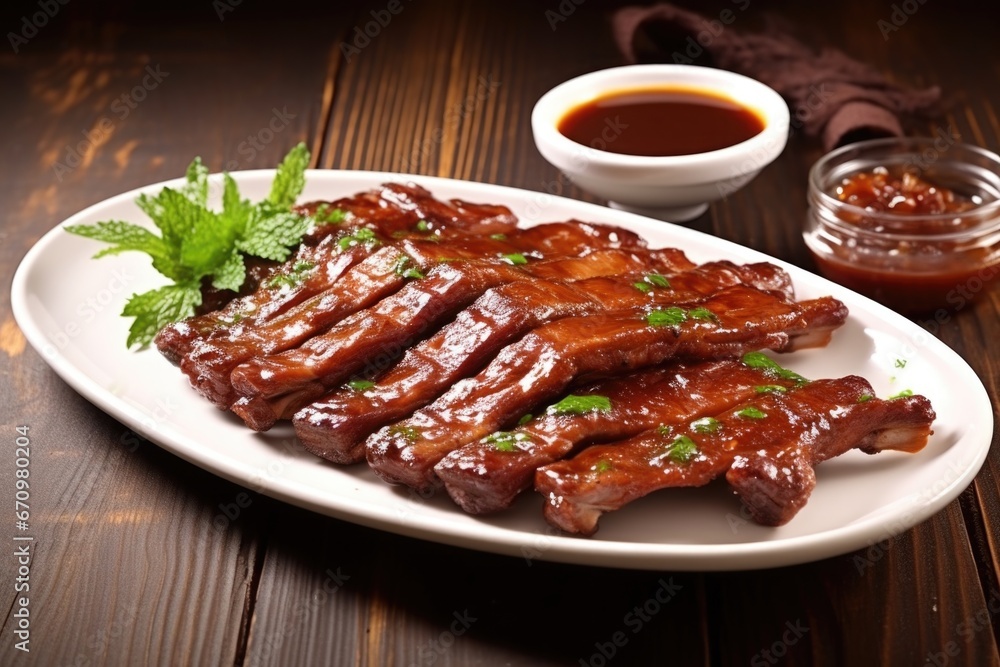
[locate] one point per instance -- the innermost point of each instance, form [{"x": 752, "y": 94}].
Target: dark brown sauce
[
  {"x": 923, "y": 272},
  {"x": 658, "y": 122}
]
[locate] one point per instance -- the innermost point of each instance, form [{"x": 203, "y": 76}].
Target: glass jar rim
[{"x": 987, "y": 210}]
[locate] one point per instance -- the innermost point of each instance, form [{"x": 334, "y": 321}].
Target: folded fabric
[{"x": 831, "y": 95}]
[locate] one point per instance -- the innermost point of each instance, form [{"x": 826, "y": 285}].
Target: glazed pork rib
[
  {"x": 276, "y": 386},
  {"x": 390, "y": 212},
  {"x": 336, "y": 426},
  {"x": 211, "y": 360},
  {"x": 541, "y": 365},
  {"x": 766, "y": 448},
  {"x": 487, "y": 475}
]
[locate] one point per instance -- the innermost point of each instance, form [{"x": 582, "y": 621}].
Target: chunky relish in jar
[
  {"x": 905, "y": 194},
  {"x": 914, "y": 236}
]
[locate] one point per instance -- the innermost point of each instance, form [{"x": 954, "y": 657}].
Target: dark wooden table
[{"x": 128, "y": 567}]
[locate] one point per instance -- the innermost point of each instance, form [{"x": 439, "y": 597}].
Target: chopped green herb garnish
[
  {"x": 506, "y": 441},
  {"x": 362, "y": 236},
  {"x": 751, "y": 413},
  {"x": 657, "y": 280},
  {"x": 864, "y": 398},
  {"x": 407, "y": 432},
  {"x": 293, "y": 277},
  {"x": 668, "y": 317},
  {"x": 360, "y": 385},
  {"x": 578, "y": 405},
  {"x": 762, "y": 361},
  {"x": 423, "y": 226},
  {"x": 525, "y": 419},
  {"x": 329, "y": 216},
  {"x": 900, "y": 363},
  {"x": 706, "y": 425},
  {"x": 642, "y": 287},
  {"x": 682, "y": 449},
  {"x": 770, "y": 389},
  {"x": 515, "y": 258},
  {"x": 901, "y": 394},
  {"x": 603, "y": 465},
  {"x": 196, "y": 242},
  {"x": 702, "y": 314},
  {"x": 663, "y": 429},
  {"x": 402, "y": 268},
  {"x": 498, "y": 237}
]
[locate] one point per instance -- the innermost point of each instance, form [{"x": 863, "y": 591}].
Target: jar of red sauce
[{"x": 913, "y": 223}]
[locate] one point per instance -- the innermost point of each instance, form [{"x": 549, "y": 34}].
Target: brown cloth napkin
[{"x": 830, "y": 94}]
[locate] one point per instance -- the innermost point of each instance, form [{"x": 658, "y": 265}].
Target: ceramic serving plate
[{"x": 68, "y": 306}]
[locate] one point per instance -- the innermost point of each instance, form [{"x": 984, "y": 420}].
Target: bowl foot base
[{"x": 671, "y": 214}]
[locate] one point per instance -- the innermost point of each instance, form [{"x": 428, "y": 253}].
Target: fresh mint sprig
[{"x": 196, "y": 242}]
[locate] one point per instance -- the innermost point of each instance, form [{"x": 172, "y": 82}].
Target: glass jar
[{"x": 910, "y": 260}]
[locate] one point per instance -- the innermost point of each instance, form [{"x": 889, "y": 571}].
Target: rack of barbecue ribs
[{"x": 452, "y": 349}]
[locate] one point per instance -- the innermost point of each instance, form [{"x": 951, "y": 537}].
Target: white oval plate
[{"x": 68, "y": 306}]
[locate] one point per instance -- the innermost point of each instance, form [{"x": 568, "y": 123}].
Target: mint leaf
[
  {"x": 196, "y": 242},
  {"x": 290, "y": 178},
  {"x": 205, "y": 244},
  {"x": 231, "y": 274},
  {"x": 157, "y": 208},
  {"x": 196, "y": 188},
  {"x": 235, "y": 210},
  {"x": 272, "y": 234},
  {"x": 156, "y": 308}
]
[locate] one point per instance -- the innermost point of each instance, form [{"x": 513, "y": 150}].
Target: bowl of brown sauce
[
  {"x": 661, "y": 140},
  {"x": 913, "y": 223}
]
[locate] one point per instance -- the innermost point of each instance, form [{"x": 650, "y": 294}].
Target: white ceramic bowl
[{"x": 675, "y": 188}]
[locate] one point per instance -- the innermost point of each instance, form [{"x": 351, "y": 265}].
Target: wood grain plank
[{"x": 134, "y": 561}]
